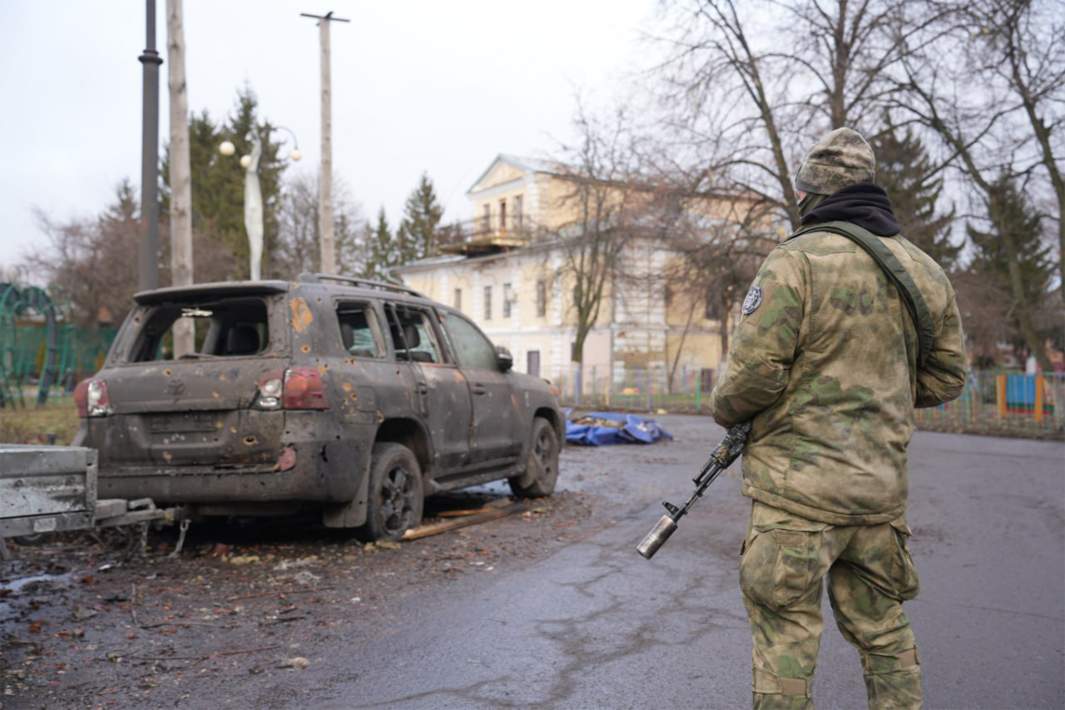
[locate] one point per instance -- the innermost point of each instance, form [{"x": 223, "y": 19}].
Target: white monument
[{"x": 253, "y": 205}]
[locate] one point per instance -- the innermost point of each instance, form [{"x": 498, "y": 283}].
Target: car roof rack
[{"x": 359, "y": 283}]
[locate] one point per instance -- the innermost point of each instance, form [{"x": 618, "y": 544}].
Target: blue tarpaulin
[{"x": 604, "y": 428}]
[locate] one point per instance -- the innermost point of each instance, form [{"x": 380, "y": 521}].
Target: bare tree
[
  {"x": 86, "y": 262},
  {"x": 1023, "y": 45},
  {"x": 728, "y": 77},
  {"x": 298, "y": 240},
  {"x": 983, "y": 132},
  {"x": 719, "y": 246},
  {"x": 603, "y": 200},
  {"x": 717, "y": 65}
]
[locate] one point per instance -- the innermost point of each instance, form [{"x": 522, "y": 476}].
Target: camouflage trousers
[{"x": 870, "y": 573}]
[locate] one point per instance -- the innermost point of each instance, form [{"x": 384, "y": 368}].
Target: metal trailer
[{"x": 46, "y": 489}]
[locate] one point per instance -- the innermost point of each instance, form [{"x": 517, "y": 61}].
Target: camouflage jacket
[{"x": 824, "y": 359}]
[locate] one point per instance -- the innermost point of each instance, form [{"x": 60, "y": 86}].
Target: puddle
[{"x": 17, "y": 585}]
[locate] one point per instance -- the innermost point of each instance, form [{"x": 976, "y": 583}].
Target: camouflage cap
[{"x": 839, "y": 159}]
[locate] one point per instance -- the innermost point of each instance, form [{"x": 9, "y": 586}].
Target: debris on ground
[
  {"x": 605, "y": 428},
  {"x": 488, "y": 512},
  {"x": 77, "y": 620},
  {"x": 296, "y": 664}
]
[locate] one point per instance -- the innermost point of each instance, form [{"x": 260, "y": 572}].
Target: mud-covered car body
[{"x": 292, "y": 386}]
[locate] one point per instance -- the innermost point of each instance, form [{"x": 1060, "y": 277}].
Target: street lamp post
[{"x": 148, "y": 255}]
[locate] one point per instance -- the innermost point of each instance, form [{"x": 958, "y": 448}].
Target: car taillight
[
  {"x": 295, "y": 388},
  {"x": 92, "y": 399},
  {"x": 303, "y": 389}
]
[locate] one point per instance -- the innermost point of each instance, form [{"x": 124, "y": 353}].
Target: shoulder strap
[{"x": 896, "y": 273}]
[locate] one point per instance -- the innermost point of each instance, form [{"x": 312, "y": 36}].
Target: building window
[
  {"x": 519, "y": 212},
  {"x": 488, "y": 303},
  {"x": 486, "y": 218},
  {"x": 508, "y": 299},
  {"x": 532, "y": 363},
  {"x": 458, "y": 299},
  {"x": 503, "y": 215},
  {"x": 541, "y": 298},
  {"x": 713, "y": 306}
]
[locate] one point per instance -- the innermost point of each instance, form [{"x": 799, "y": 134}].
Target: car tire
[
  {"x": 541, "y": 467},
  {"x": 396, "y": 495}
]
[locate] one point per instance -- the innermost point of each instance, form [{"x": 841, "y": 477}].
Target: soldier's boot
[{"x": 893, "y": 682}]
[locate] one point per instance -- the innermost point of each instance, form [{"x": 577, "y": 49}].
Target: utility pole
[
  {"x": 180, "y": 173},
  {"x": 148, "y": 256},
  {"x": 325, "y": 177}
]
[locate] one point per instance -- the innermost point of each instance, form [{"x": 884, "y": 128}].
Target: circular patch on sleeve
[{"x": 752, "y": 300}]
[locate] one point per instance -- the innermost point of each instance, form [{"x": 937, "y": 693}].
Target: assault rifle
[{"x": 720, "y": 458}]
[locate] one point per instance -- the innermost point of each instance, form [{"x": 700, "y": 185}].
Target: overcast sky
[{"x": 435, "y": 86}]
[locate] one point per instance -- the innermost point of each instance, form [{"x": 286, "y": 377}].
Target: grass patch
[{"x": 33, "y": 425}]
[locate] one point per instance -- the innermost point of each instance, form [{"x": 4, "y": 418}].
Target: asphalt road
[{"x": 596, "y": 626}]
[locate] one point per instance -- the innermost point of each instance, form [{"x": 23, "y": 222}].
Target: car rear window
[{"x": 229, "y": 327}]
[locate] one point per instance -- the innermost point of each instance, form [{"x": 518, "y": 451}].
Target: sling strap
[{"x": 895, "y": 272}]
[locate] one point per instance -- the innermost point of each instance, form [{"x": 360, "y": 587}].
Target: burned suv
[{"x": 354, "y": 397}]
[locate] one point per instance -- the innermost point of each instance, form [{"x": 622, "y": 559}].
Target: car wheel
[
  {"x": 396, "y": 497},
  {"x": 541, "y": 468}
]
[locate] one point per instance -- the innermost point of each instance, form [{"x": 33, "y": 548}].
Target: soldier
[{"x": 828, "y": 364}]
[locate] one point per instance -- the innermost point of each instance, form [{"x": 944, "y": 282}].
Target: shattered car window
[
  {"x": 232, "y": 327},
  {"x": 357, "y": 330},
  {"x": 412, "y": 335}
]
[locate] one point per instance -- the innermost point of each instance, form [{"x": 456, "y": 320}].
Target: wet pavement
[
  {"x": 596, "y": 626},
  {"x": 558, "y": 610}
]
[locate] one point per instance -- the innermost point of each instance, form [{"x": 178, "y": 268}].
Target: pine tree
[
  {"x": 417, "y": 232},
  {"x": 903, "y": 169},
  {"x": 126, "y": 207},
  {"x": 1010, "y": 209},
  {"x": 351, "y": 249},
  {"x": 220, "y": 243},
  {"x": 383, "y": 248}
]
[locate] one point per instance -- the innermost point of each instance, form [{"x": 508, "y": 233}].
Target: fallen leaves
[{"x": 239, "y": 560}]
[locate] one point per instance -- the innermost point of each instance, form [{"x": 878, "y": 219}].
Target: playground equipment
[
  {"x": 18, "y": 355},
  {"x": 38, "y": 348}
]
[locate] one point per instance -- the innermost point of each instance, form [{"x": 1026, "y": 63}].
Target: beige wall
[{"x": 636, "y": 327}]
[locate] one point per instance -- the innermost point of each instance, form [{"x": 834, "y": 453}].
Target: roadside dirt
[{"x": 83, "y": 625}]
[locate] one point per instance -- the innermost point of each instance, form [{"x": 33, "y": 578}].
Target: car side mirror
[{"x": 504, "y": 359}]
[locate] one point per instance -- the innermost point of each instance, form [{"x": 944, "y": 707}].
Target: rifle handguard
[{"x": 730, "y": 448}]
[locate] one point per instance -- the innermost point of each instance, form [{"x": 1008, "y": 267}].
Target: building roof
[{"x": 526, "y": 164}]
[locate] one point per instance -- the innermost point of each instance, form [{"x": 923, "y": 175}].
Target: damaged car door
[
  {"x": 441, "y": 394},
  {"x": 497, "y": 439}
]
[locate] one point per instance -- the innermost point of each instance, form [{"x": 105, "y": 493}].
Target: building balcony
[{"x": 486, "y": 236}]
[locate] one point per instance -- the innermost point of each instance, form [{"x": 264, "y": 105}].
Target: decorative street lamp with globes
[{"x": 253, "y": 197}]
